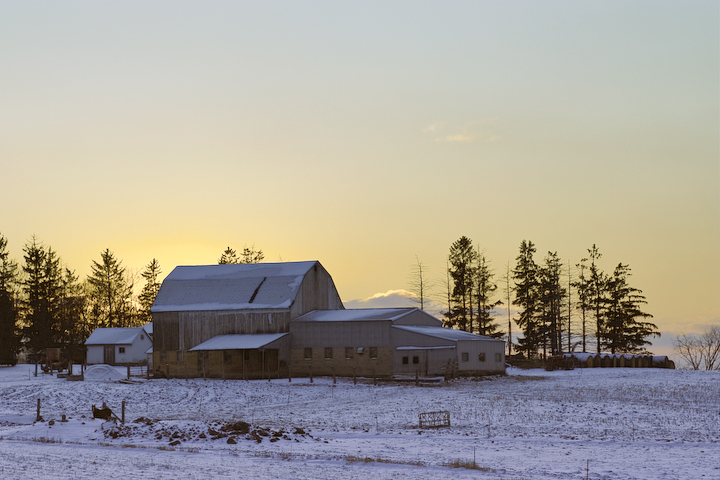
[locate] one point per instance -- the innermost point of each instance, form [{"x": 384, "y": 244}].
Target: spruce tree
[
  {"x": 150, "y": 290},
  {"x": 485, "y": 290},
  {"x": 462, "y": 273},
  {"x": 41, "y": 287},
  {"x": 625, "y": 332},
  {"x": 551, "y": 297},
  {"x": 525, "y": 277},
  {"x": 110, "y": 294},
  {"x": 9, "y": 338}
]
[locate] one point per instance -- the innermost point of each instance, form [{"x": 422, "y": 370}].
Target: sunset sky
[{"x": 362, "y": 134}]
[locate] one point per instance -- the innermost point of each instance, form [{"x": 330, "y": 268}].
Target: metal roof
[
  {"x": 238, "y": 342},
  {"x": 355, "y": 315},
  {"x": 114, "y": 336},
  {"x": 231, "y": 286},
  {"x": 445, "y": 333}
]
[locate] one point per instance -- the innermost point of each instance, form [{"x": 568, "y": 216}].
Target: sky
[{"x": 368, "y": 136}]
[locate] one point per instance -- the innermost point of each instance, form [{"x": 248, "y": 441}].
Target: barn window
[
  {"x": 121, "y": 349},
  {"x": 498, "y": 357},
  {"x": 361, "y": 350},
  {"x": 481, "y": 357},
  {"x": 416, "y": 360},
  {"x": 308, "y": 353},
  {"x": 405, "y": 360},
  {"x": 373, "y": 352},
  {"x": 465, "y": 356},
  {"x": 328, "y": 353},
  {"x": 348, "y": 352}
]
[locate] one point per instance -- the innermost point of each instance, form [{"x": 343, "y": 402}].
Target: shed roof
[
  {"x": 231, "y": 286},
  {"x": 239, "y": 342},
  {"x": 355, "y": 315},
  {"x": 114, "y": 336},
  {"x": 445, "y": 333}
]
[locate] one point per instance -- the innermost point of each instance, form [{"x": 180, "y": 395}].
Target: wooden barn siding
[
  {"x": 185, "y": 330},
  {"x": 198, "y": 327},
  {"x": 317, "y": 292}
]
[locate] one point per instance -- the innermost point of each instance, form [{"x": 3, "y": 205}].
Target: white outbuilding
[{"x": 118, "y": 346}]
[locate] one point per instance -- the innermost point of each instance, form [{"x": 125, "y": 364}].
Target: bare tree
[
  {"x": 700, "y": 350},
  {"x": 419, "y": 284}
]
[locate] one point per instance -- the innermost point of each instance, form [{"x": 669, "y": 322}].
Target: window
[
  {"x": 464, "y": 356},
  {"x": 360, "y": 350},
  {"x": 498, "y": 357},
  {"x": 416, "y": 360},
  {"x": 121, "y": 349},
  {"x": 373, "y": 352},
  {"x": 328, "y": 353},
  {"x": 481, "y": 357},
  {"x": 405, "y": 360},
  {"x": 348, "y": 352},
  {"x": 308, "y": 353}
]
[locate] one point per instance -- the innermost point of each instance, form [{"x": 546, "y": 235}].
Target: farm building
[
  {"x": 388, "y": 341},
  {"x": 118, "y": 346},
  {"x": 277, "y": 319}
]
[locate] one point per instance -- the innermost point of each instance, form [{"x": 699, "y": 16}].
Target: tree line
[
  {"x": 43, "y": 303},
  {"x": 560, "y": 307}
]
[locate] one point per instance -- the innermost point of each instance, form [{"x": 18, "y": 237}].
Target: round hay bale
[
  {"x": 621, "y": 361},
  {"x": 591, "y": 362}
]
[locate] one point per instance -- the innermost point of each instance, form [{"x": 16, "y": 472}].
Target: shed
[{"x": 118, "y": 346}]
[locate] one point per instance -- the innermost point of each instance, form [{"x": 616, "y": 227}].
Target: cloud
[
  {"x": 432, "y": 128},
  {"x": 464, "y": 137},
  {"x": 389, "y": 299},
  {"x": 397, "y": 299}
]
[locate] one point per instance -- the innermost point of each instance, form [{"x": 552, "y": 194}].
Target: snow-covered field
[{"x": 531, "y": 424}]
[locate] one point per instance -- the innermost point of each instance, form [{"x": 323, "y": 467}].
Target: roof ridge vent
[{"x": 257, "y": 290}]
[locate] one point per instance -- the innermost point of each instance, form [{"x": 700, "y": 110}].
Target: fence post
[
  {"x": 38, "y": 418},
  {"x": 123, "y": 412},
  {"x": 128, "y": 370},
  {"x": 310, "y": 371}
]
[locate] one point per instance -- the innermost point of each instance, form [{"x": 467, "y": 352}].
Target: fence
[{"x": 434, "y": 419}]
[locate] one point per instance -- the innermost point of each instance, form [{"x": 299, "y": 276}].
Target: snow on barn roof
[
  {"x": 444, "y": 333},
  {"x": 114, "y": 336},
  {"x": 231, "y": 286},
  {"x": 355, "y": 315},
  {"x": 238, "y": 342}
]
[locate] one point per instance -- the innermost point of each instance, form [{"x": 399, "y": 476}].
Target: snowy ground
[{"x": 603, "y": 423}]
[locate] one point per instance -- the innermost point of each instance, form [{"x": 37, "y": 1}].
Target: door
[{"x": 109, "y": 354}]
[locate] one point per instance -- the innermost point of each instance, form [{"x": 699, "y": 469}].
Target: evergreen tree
[
  {"x": 73, "y": 328},
  {"x": 110, "y": 294},
  {"x": 228, "y": 256},
  {"x": 462, "y": 273},
  {"x": 150, "y": 290},
  {"x": 625, "y": 332},
  {"x": 582, "y": 287},
  {"x": 525, "y": 277},
  {"x": 9, "y": 338},
  {"x": 551, "y": 297},
  {"x": 484, "y": 290},
  {"x": 250, "y": 255},
  {"x": 41, "y": 289},
  {"x": 597, "y": 294}
]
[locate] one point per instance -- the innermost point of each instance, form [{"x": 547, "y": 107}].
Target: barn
[
  {"x": 232, "y": 320},
  {"x": 118, "y": 346},
  {"x": 272, "y": 320}
]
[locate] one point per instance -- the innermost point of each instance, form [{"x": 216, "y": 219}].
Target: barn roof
[
  {"x": 231, "y": 286},
  {"x": 238, "y": 342},
  {"x": 114, "y": 336},
  {"x": 355, "y": 315},
  {"x": 444, "y": 333}
]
